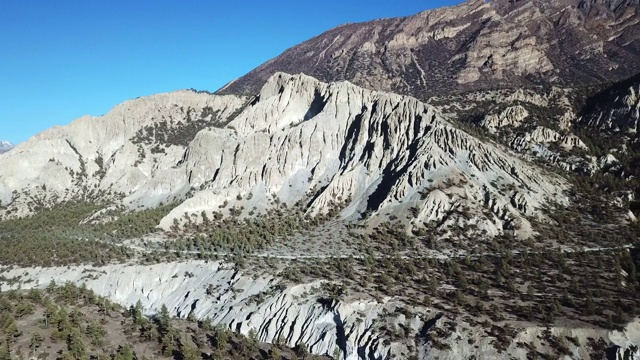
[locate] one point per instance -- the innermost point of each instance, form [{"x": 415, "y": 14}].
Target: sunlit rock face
[
  {"x": 242, "y": 303},
  {"x": 302, "y": 313},
  {"x": 474, "y": 45},
  {"x": 113, "y": 155},
  {"x": 299, "y": 138}
]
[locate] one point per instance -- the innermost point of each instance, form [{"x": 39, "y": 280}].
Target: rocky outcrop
[
  {"x": 291, "y": 314},
  {"x": 474, "y": 45},
  {"x": 615, "y": 109},
  {"x": 304, "y": 313},
  {"x": 380, "y": 150},
  {"x": 620, "y": 353},
  {"x": 298, "y": 139},
  {"x": 612, "y": 118},
  {"x": 512, "y": 116},
  {"x": 111, "y": 156}
]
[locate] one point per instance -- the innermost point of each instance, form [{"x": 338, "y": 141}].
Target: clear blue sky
[{"x": 63, "y": 59}]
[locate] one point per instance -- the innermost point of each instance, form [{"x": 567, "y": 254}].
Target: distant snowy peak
[{"x": 5, "y": 146}]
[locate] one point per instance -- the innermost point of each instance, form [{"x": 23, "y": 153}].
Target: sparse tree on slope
[
  {"x": 188, "y": 351},
  {"x": 163, "y": 320}
]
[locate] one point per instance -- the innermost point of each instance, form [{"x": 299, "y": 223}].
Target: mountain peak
[{"x": 5, "y": 146}]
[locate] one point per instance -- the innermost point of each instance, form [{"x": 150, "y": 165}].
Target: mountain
[
  {"x": 472, "y": 46},
  {"x": 298, "y": 139},
  {"x": 5, "y": 146},
  {"x": 111, "y": 156},
  {"x": 356, "y": 213},
  {"x": 461, "y": 183}
]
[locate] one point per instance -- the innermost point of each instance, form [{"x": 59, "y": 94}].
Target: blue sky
[{"x": 63, "y": 59}]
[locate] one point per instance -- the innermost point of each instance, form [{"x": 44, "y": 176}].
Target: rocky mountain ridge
[
  {"x": 105, "y": 158},
  {"x": 298, "y": 138},
  {"x": 431, "y": 199},
  {"x": 472, "y": 46}
]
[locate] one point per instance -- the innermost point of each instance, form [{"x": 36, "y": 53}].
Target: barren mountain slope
[
  {"x": 471, "y": 46},
  {"x": 108, "y": 157},
  {"x": 299, "y": 140},
  {"x": 588, "y": 132}
]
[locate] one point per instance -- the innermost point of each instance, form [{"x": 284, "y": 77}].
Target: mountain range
[
  {"x": 5, "y": 146},
  {"x": 452, "y": 184},
  {"x": 472, "y": 46}
]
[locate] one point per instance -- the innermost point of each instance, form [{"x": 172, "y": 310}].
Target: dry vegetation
[
  {"x": 69, "y": 322},
  {"x": 493, "y": 283},
  {"x": 598, "y": 289},
  {"x": 61, "y": 236}
]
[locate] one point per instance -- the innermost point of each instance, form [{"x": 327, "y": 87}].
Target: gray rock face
[
  {"x": 614, "y": 114},
  {"x": 615, "y": 109},
  {"x": 303, "y": 313},
  {"x": 300, "y": 138},
  {"x": 111, "y": 156},
  {"x": 380, "y": 150},
  {"x": 471, "y": 46},
  {"x": 293, "y": 314}
]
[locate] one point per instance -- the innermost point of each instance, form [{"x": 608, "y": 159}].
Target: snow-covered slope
[{"x": 5, "y": 146}]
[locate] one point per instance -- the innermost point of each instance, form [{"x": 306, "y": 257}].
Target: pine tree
[
  {"x": 632, "y": 276},
  {"x": 191, "y": 317},
  {"x": 11, "y": 330},
  {"x": 75, "y": 345},
  {"x": 222, "y": 337},
  {"x": 125, "y": 353},
  {"x": 168, "y": 344},
  {"x": 96, "y": 333},
  {"x": 590, "y": 307},
  {"x": 5, "y": 351},
  {"x": 136, "y": 313},
  {"x": 274, "y": 354},
  {"x": 254, "y": 342},
  {"x": 610, "y": 325},
  {"x": 205, "y": 324},
  {"x": 164, "y": 319},
  {"x": 188, "y": 351},
  {"x": 36, "y": 341},
  {"x": 336, "y": 353}
]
